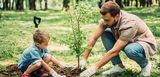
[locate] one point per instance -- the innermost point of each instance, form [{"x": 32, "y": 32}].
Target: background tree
[
  {"x": 66, "y": 4},
  {"x": 19, "y": 4},
  {"x": 1, "y": 3},
  {"x": 46, "y": 4},
  {"x": 159, "y": 3},
  {"x": 136, "y": 3},
  {"x": 119, "y": 2},
  {"x": 126, "y": 2},
  {"x": 32, "y": 4},
  {"x": 40, "y": 4},
  {"x": 142, "y": 3},
  {"x": 149, "y": 3},
  {"x": 5, "y": 4},
  {"x": 13, "y": 4}
]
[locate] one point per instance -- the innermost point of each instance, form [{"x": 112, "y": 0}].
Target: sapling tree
[{"x": 77, "y": 37}]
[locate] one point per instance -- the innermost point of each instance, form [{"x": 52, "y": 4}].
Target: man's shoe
[
  {"x": 114, "y": 70},
  {"x": 146, "y": 71}
]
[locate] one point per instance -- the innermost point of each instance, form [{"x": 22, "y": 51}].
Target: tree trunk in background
[
  {"x": 149, "y": 3},
  {"x": 159, "y": 3},
  {"x": 5, "y": 4},
  {"x": 126, "y": 2},
  {"x": 131, "y": 2},
  {"x": 1, "y": 4},
  {"x": 119, "y": 2},
  {"x": 19, "y": 5},
  {"x": 13, "y": 3},
  {"x": 32, "y": 4},
  {"x": 40, "y": 4},
  {"x": 142, "y": 3},
  {"x": 9, "y": 4},
  {"x": 66, "y": 4},
  {"x": 77, "y": 2},
  {"x": 101, "y": 2},
  {"x": 136, "y": 3},
  {"x": 46, "y": 5}
]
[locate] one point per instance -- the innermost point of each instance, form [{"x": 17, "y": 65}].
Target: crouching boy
[{"x": 36, "y": 58}]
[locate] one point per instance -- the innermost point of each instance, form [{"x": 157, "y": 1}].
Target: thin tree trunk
[
  {"x": 19, "y": 5},
  {"x": 9, "y": 4},
  {"x": 1, "y": 4},
  {"x": 77, "y": 2},
  {"x": 66, "y": 4},
  {"x": 5, "y": 4},
  {"x": 126, "y": 2},
  {"x": 32, "y": 4},
  {"x": 142, "y": 3},
  {"x": 159, "y": 3},
  {"x": 136, "y": 3},
  {"x": 46, "y": 4},
  {"x": 119, "y": 2},
  {"x": 12, "y": 7},
  {"x": 149, "y": 3},
  {"x": 40, "y": 4}
]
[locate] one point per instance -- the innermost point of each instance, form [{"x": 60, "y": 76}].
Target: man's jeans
[{"x": 133, "y": 50}]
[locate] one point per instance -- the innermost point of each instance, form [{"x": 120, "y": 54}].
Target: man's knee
[{"x": 130, "y": 51}]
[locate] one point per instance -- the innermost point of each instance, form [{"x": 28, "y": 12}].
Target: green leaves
[{"x": 76, "y": 38}]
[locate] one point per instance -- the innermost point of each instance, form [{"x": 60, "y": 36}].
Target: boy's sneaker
[
  {"x": 146, "y": 71},
  {"x": 114, "y": 70},
  {"x": 24, "y": 75}
]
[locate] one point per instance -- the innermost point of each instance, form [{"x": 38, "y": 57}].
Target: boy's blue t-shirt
[{"x": 31, "y": 54}]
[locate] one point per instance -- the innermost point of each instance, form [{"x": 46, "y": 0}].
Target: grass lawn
[{"x": 16, "y": 29}]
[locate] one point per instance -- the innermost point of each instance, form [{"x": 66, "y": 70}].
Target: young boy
[{"x": 36, "y": 57}]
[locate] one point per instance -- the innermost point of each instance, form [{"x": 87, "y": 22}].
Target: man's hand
[
  {"x": 89, "y": 72},
  {"x": 82, "y": 64}
]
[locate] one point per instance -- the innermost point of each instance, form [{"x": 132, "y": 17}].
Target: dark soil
[{"x": 12, "y": 70}]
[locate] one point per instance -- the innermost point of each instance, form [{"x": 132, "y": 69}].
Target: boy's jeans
[{"x": 133, "y": 50}]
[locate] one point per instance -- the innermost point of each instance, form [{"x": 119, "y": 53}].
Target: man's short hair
[
  {"x": 110, "y": 7},
  {"x": 40, "y": 36}
]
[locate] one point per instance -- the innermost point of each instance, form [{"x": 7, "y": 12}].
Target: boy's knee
[
  {"x": 48, "y": 57},
  {"x": 37, "y": 63}
]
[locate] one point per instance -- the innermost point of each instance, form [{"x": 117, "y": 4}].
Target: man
[{"x": 120, "y": 30}]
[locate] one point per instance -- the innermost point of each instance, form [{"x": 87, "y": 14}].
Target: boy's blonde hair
[{"x": 40, "y": 36}]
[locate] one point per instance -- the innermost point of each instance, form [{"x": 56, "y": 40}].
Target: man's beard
[{"x": 114, "y": 23}]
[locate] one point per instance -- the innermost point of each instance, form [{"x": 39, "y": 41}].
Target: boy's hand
[
  {"x": 82, "y": 63},
  {"x": 89, "y": 72}
]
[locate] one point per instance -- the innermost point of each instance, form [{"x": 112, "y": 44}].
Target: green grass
[{"x": 16, "y": 29}]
